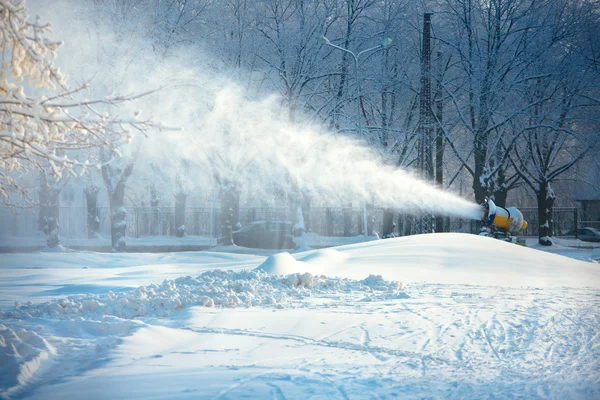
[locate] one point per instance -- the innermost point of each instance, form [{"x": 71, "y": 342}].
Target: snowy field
[{"x": 428, "y": 316}]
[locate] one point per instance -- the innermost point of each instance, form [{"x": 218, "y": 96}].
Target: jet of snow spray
[{"x": 255, "y": 143}]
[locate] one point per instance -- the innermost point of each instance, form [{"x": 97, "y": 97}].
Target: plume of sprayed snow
[
  {"x": 254, "y": 142},
  {"x": 250, "y": 142}
]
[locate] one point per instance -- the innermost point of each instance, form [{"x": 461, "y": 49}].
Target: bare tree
[
  {"x": 561, "y": 127},
  {"x": 488, "y": 41}
]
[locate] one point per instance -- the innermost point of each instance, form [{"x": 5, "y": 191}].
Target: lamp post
[{"x": 384, "y": 43}]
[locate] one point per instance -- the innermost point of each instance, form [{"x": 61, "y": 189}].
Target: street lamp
[{"x": 385, "y": 42}]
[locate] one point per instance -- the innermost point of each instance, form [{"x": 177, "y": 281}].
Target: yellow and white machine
[{"x": 502, "y": 222}]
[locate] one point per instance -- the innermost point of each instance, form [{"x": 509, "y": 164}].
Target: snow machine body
[{"x": 501, "y": 222}]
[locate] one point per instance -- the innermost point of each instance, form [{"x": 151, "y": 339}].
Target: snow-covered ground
[{"x": 427, "y": 316}]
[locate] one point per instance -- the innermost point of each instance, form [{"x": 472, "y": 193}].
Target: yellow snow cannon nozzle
[{"x": 508, "y": 219}]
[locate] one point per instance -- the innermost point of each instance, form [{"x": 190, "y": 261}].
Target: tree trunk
[
  {"x": 180, "y": 200},
  {"x": 400, "y": 224},
  {"x": 348, "y": 220},
  {"x": 479, "y": 188},
  {"x": 48, "y": 217},
  {"x": 299, "y": 226},
  {"x": 117, "y": 219},
  {"x": 439, "y": 224},
  {"x": 115, "y": 180},
  {"x": 370, "y": 219},
  {"x": 235, "y": 223},
  {"x": 230, "y": 198},
  {"x": 154, "y": 201},
  {"x": 93, "y": 222},
  {"x": 500, "y": 197},
  {"x": 295, "y": 210},
  {"x": 329, "y": 219},
  {"x": 545, "y": 198},
  {"x": 389, "y": 225},
  {"x": 306, "y": 199},
  {"x": 499, "y": 186}
]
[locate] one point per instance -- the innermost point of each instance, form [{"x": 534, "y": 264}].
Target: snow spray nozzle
[{"x": 506, "y": 219}]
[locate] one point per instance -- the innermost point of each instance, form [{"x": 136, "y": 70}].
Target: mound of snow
[
  {"x": 21, "y": 354},
  {"x": 315, "y": 263},
  {"x": 455, "y": 258},
  {"x": 216, "y": 288},
  {"x": 304, "y": 280},
  {"x": 279, "y": 264},
  {"x": 325, "y": 257},
  {"x": 376, "y": 282}
]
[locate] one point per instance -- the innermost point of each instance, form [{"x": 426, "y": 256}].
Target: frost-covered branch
[{"x": 43, "y": 122}]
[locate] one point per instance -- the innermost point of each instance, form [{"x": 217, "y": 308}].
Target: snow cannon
[{"x": 509, "y": 220}]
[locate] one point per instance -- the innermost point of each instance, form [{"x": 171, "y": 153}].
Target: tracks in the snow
[{"x": 467, "y": 331}]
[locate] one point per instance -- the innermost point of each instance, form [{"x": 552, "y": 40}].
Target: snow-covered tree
[
  {"x": 115, "y": 177},
  {"x": 48, "y": 217},
  {"x": 184, "y": 185},
  {"x": 91, "y": 190},
  {"x": 562, "y": 127},
  {"x": 43, "y": 120},
  {"x": 486, "y": 40}
]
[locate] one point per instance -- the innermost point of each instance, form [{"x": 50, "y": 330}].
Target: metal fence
[
  {"x": 564, "y": 221},
  {"x": 324, "y": 221}
]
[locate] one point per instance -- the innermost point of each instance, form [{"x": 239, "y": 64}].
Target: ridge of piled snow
[
  {"x": 325, "y": 256},
  {"x": 216, "y": 288},
  {"x": 21, "y": 354}
]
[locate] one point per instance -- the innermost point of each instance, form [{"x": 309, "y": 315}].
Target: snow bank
[
  {"x": 25, "y": 355},
  {"x": 21, "y": 354},
  {"x": 316, "y": 262},
  {"x": 325, "y": 257},
  {"x": 102, "y": 319},
  {"x": 79, "y": 326},
  {"x": 454, "y": 258},
  {"x": 279, "y": 264},
  {"x": 216, "y": 288}
]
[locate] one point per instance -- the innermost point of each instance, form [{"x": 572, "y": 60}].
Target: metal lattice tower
[{"x": 426, "y": 122}]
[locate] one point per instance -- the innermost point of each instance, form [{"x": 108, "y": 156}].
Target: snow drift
[
  {"x": 217, "y": 288},
  {"x": 494, "y": 316}
]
